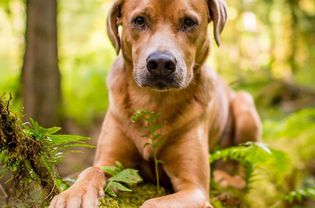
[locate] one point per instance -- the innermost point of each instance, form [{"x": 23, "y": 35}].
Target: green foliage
[
  {"x": 82, "y": 84},
  {"x": 297, "y": 132},
  {"x": 300, "y": 194},
  {"x": 152, "y": 130},
  {"x": 295, "y": 136},
  {"x": 56, "y": 144},
  {"x": 280, "y": 168},
  {"x": 288, "y": 127},
  {"x": 255, "y": 157},
  {"x": 29, "y": 154},
  {"x": 249, "y": 152},
  {"x": 120, "y": 176},
  {"x": 260, "y": 163},
  {"x": 292, "y": 136},
  {"x": 86, "y": 56}
]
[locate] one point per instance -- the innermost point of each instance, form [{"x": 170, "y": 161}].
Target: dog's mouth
[{"x": 160, "y": 83}]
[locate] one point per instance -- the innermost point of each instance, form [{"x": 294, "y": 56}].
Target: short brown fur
[{"x": 200, "y": 113}]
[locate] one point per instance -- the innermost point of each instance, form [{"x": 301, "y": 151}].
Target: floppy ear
[
  {"x": 113, "y": 21},
  {"x": 218, "y": 14}
]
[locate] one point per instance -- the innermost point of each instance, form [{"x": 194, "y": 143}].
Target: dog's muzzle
[
  {"x": 161, "y": 64},
  {"x": 161, "y": 67}
]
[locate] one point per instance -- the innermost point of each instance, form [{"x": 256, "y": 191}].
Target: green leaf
[
  {"x": 113, "y": 170},
  {"x": 66, "y": 139},
  {"x": 110, "y": 192},
  {"x": 120, "y": 175},
  {"x": 119, "y": 187},
  {"x": 128, "y": 176},
  {"x": 61, "y": 184},
  {"x": 53, "y": 130}
]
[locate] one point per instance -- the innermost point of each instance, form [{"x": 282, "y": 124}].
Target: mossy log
[{"x": 20, "y": 155}]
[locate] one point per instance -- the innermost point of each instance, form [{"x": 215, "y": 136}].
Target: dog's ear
[
  {"x": 113, "y": 22},
  {"x": 218, "y": 14}
]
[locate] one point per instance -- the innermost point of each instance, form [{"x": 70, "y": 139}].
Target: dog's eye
[
  {"x": 139, "y": 22},
  {"x": 188, "y": 24}
]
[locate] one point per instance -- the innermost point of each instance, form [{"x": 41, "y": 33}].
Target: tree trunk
[
  {"x": 293, "y": 7},
  {"x": 40, "y": 74}
]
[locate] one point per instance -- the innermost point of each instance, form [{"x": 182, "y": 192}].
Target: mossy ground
[
  {"x": 140, "y": 193},
  {"x": 134, "y": 199}
]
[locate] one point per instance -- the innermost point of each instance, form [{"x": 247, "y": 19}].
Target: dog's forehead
[{"x": 160, "y": 7}]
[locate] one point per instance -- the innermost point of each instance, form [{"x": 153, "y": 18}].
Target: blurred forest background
[{"x": 54, "y": 57}]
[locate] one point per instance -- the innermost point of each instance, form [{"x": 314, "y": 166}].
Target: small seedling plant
[
  {"x": 152, "y": 130},
  {"x": 119, "y": 177}
]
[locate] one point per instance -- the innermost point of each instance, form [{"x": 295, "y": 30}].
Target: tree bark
[
  {"x": 293, "y": 7},
  {"x": 41, "y": 78}
]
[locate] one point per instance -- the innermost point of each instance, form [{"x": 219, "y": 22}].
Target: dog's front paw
[
  {"x": 79, "y": 195},
  {"x": 84, "y": 193}
]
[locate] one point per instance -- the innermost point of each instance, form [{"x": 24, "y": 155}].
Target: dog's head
[{"x": 165, "y": 40}]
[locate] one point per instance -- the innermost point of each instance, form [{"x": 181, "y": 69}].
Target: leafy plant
[
  {"x": 152, "y": 130},
  {"x": 254, "y": 157},
  {"x": 294, "y": 135},
  {"x": 29, "y": 154},
  {"x": 120, "y": 176},
  {"x": 300, "y": 194},
  {"x": 260, "y": 163}
]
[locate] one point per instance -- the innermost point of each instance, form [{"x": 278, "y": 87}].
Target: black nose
[{"x": 161, "y": 63}]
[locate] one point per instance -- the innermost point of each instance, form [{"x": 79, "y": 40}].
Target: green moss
[
  {"x": 134, "y": 199},
  {"x": 28, "y": 157},
  {"x": 21, "y": 154},
  {"x": 143, "y": 192}
]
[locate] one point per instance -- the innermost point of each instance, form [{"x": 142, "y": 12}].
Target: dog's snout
[{"x": 161, "y": 64}]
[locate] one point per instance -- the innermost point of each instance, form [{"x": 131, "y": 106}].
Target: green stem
[{"x": 156, "y": 163}]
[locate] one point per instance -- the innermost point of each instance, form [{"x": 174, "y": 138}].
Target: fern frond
[{"x": 254, "y": 156}]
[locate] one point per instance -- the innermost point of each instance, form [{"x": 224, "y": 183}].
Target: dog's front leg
[
  {"x": 112, "y": 146},
  {"x": 186, "y": 163}
]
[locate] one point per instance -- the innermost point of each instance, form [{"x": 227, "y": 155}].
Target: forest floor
[
  {"x": 288, "y": 183},
  {"x": 134, "y": 199}
]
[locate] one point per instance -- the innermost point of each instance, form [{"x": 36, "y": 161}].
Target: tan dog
[{"x": 164, "y": 46}]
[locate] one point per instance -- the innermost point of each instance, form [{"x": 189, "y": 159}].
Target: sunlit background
[
  {"x": 268, "y": 48},
  {"x": 263, "y": 40}
]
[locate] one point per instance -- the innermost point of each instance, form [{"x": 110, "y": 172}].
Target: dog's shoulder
[
  {"x": 210, "y": 74},
  {"x": 116, "y": 73},
  {"x": 216, "y": 81}
]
